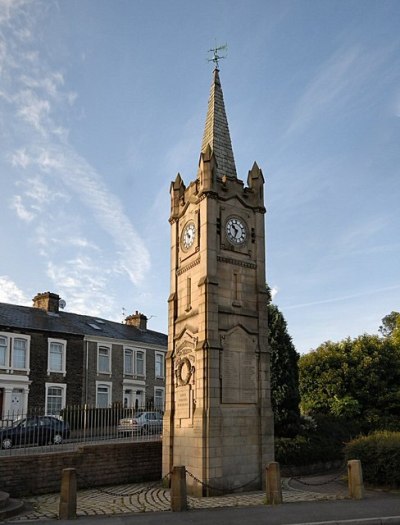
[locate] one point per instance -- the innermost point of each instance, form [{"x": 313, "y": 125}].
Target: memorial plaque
[
  {"x": 182, "y": 402},
  {"x": 248, "y": 378},
  {"x": 238, "y": 377}
]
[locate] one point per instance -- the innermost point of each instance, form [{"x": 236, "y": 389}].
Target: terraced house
[{"x": 50, "y": 359}]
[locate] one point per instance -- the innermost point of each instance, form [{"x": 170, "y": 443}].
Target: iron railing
[{"x": 38, "y": 432}]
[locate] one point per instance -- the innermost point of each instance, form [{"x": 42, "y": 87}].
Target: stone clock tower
[{"x": 218, "y": 421}]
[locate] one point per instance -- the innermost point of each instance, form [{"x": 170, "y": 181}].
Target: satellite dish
[{"x": 62, "y": 304}]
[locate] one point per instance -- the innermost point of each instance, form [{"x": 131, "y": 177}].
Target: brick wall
[
  {"x": 97, "y": 465},
  {"x": 38, "y": 366}
]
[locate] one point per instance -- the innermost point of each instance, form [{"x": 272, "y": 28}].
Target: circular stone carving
[{"x": 184, "y": 371}]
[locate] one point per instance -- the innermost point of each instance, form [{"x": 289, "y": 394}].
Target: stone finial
[
  {"x": 207, "y": 167},
  {"x": 137, "y": 319},
  {"x": 177, "y": 191},
  {"x": 255, "y": 181},
  {"x": 47, "y": 301}
]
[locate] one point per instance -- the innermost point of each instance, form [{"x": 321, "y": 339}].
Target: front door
[
  {"x": 139, "y": 399},
  {"x": 17, "y": 401}
]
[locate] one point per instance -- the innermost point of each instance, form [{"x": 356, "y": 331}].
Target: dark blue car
[{"x": 39, "y": 430}]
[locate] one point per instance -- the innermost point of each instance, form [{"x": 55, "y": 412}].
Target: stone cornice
[
  {"x": 237, "y": 262},
  {"x": 187, "y": 267}
]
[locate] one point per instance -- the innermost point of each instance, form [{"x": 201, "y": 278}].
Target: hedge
[{"x": 379, "y": 454}]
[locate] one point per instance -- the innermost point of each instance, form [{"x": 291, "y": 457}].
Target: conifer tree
[{"x": 284, "y": 375}]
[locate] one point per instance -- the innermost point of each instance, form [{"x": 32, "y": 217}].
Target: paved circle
[{"x": 148, "y": 497}]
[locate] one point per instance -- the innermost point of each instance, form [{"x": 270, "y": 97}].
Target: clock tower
[{"x": 218, "y": 419}]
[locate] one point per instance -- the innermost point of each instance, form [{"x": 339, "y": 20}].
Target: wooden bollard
[
  {"x": 178, "y": 489},
  {"x": 355, "y": 479},
  {"x": 273, "y": 482},
  {"x": 67, "y": 509}
]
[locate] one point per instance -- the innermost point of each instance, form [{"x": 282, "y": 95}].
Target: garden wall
[{"x": 96, "y": 465}]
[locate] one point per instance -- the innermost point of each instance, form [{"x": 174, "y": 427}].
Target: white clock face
[
  {"x": 188, "y": 235},
  {"x": 236, "y": 231}
]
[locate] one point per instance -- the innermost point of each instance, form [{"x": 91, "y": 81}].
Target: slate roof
[
  {"x": 216, "y": 131},
  {"x": 29, "y": 318}
]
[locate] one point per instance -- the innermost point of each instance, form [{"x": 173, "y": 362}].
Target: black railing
[{"x": 37, "y": 431}]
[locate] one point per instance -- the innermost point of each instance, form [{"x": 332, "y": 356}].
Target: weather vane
[{"x": 216, "y": 57}]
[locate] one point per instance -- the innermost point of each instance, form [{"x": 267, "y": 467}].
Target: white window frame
[
  {"x": 142, "y": 351},
  {"x": 163, "y": 397},
  {"x": 162, "y": 356},
  {"x": 108, "y": 347},
  {"x": 11, "y": 338},
  {"x": 63, "y": 388},
  {"x": 134, "y": 374},
  {"x": 7, "y": 351},
  {"x": 63, "y": 343},
  {"x": 129, "y": 372},
  {"x": 107, "y": 384}
]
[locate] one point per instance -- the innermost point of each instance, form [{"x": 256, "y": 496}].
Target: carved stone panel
[
  {"x": 182, "y": 402},
  {"x": 239, "y": 367},
  {"x": 184, "y": 377}
]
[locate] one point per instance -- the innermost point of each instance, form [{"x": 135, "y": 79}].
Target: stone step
[
  {"x": 4, "y": 498},
  {"x": 9, "y": 506}
]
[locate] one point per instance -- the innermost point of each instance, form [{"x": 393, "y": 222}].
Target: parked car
[
  {"x": 142, "y": 423},
  {"x": 40, "y": 430}
]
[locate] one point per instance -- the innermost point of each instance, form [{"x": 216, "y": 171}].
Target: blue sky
[{"x": 102, "y": 102}]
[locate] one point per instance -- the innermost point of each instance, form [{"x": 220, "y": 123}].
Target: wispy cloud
[
  {"x": 343, "y": 297},
  {"x": 22, "y": 212},
  {"x": 340, "y": 80},
  {"x": 50, "y": 176},
  {"x": 10, "y": 293},
  {"x": 274, "y": 292}
]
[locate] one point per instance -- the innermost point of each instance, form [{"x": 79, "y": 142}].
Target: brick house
[{"x": 50, "y": 359}]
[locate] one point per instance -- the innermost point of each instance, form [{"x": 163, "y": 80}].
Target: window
[
  {"x": 104, "y": 360},
  {"x": 140, "y": 363},
  {"x": 159, "y": 398},
  {"x": 3, "y": 351},
  {"x": 134, "y": 362},
  {"x": 14, "y": 351},
  {"x": 128, "y": 361},
  {"x": 159, "y": 365},
  {"x": 19, "y": 354},
  {"x": 57, "y": 356},
  {"x": 55, "y": 398},
  {"x": 103, "y": 395}
]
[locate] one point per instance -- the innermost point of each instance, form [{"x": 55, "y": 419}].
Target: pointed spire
[{"x": 216, "y": 132}]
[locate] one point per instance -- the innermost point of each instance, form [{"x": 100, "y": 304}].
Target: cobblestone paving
[{"x": 148, "y": 497}]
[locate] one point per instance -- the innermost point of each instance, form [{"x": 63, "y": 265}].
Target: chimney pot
[
  {"x": 137, "y": 319},
  {"x": 47, "y": 301}
]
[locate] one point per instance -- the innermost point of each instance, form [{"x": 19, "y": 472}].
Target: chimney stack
[
  {"x": 137, "y": 319},
  {"x": 47, "y": 301}
]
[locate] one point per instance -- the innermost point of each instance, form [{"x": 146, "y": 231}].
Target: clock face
[
  {"x": 236, "y": 231},
  {"x": 188, "y": 235}
]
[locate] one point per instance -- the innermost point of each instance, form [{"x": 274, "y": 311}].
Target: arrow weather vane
[{"x": 216, "y": 57}]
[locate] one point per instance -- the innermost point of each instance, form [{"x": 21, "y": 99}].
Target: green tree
[
  {"x": 353, "y": 379},
  {"x": 284, "y": 375},
  {"x": 396, "y": 332},
  {"x": 389, "y": 323}
]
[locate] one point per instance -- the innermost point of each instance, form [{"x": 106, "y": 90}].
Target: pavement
[{"x": 311, "y": 499}]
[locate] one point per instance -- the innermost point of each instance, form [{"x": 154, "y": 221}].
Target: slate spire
[{"x": 216, "y": 132}]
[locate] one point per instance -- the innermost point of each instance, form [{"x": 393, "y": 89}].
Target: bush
[
  {"x": 293, "y": 451},
  {"x": 379, "y": 454},
  {"x": 322, "y": 439}
]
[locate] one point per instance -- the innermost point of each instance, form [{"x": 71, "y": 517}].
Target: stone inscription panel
[
  {"x": 239, "y": 381},
  {"x": 182, "y": 402}
]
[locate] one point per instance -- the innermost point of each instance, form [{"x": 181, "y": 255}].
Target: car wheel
[
  {"x": 145, "y": 430},
  {"x": 6, "y": 443},
  {"x": 57, "y": 439}
]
